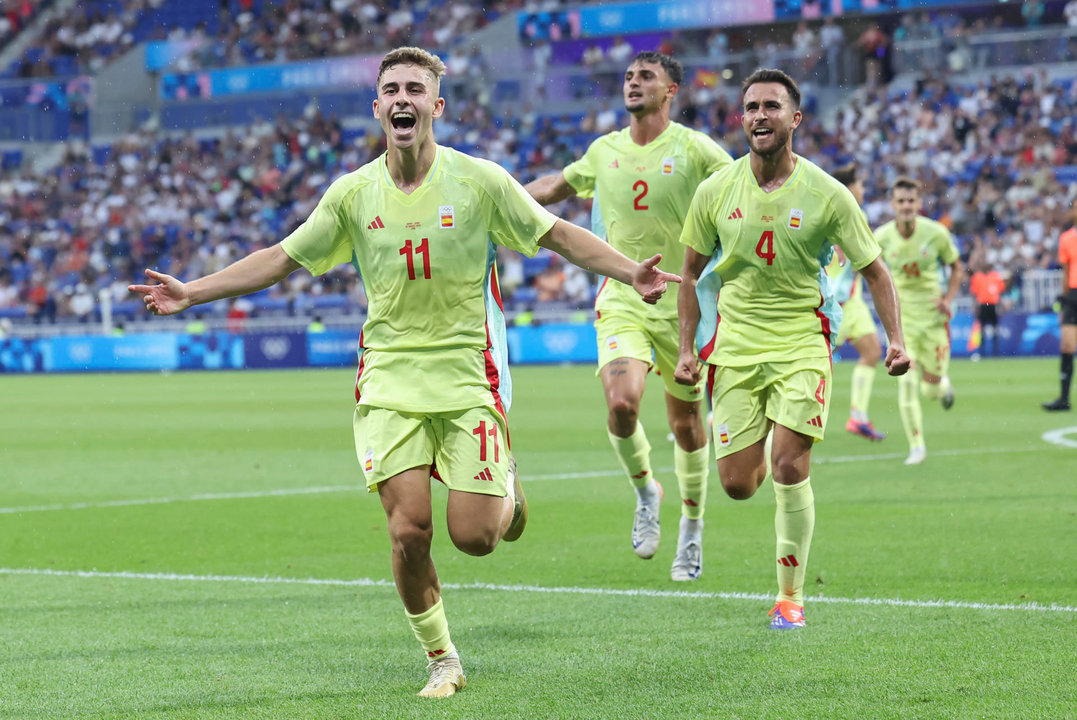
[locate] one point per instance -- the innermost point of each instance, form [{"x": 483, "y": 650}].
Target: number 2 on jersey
[
  {"x": 765, "y": 247},
  {"x": 409, "y": 253},
  {"x": 641, "y": 187}
]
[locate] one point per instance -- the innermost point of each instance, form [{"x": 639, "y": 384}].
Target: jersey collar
[
  {"x": 785, "y": 185},
  {"x": 429, "y": 179}
]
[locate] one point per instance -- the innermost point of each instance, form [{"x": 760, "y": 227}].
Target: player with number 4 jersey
[
  {"x": 642, "y": 178},
  {"x": 756, "y": 301}
]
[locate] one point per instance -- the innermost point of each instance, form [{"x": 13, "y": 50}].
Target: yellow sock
[
  {"x": 863, "y": 378},
  {"x": 691, "y": 469},
  {"x": 634, "y": 453},
  {"x": 794, "y": 522},
  {"x": 912, "y": 417},
  {"x": 432, "y": 631}
]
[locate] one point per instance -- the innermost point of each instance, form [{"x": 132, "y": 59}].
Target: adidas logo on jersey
[
  {"x": 614, "y": 165},
  {"x": 377, "y": 224},
  {"x": 735, "y": 215}
]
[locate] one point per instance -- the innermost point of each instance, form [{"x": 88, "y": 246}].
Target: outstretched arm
[
  {"x": 550, "y": 189},
  {"x": 687, "y": 372},
  {"x": 255, "y": 272},
  {"x": 584, "y": 248},
  {"x": 881, "y": 285}
]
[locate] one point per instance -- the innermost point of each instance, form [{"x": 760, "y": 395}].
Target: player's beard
[{"x": 779, "y": 142}]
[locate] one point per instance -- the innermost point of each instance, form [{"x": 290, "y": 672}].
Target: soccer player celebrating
[
  {"x": 857, "y": 325},
  {"x": 643, "y": 178},
  {"x": 916, "y": 248},
  {"x": 432, "y": 388},
  {"x": 759, "y": 236},
  {"x": 1067, "y": 256}
]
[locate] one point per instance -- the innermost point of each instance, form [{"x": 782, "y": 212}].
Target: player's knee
[
  {"x": 412, "y": 541},
  {"x": 741, "y": 487},
  {"x": 689, "y": 432},
  {"x": 476, "y": 543},
  {"x": 786, "y": 471},
  {"x": 624, "y": 412}
]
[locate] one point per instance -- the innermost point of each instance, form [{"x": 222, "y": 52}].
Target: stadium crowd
[
  {"x": 249, "y": 31},
  {"x": 995, "y": 158}
]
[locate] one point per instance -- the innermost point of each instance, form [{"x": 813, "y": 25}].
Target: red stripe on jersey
[
  {"x": 359, "y": 372},
  {"x": 494, "y": 379},
  {"x": 706, "y": 350},
  {"x": 711, "y": 369},
  {"x": 599, "y": 294},
  {"x": 495, "y": 287},
  {"x": 824, "y": 323}
]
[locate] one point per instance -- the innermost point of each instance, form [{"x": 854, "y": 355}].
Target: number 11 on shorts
[{"x": 482, "y": 432}]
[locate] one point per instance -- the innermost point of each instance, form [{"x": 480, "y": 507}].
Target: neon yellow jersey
[
  {"x": 768, "y": 253},
  {"x": 434, "y": 336},
  {"x": 642, "y": 194},
  {"x": 916, "y": 264}
]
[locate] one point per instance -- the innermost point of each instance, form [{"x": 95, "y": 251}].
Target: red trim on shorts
[
  {"x": 711, "y": 370},
  {"x": 494, "y": 379},
  {"x": 362, "y": 359}
]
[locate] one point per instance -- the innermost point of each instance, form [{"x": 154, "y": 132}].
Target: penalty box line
[{"x": 540, "y": 589}]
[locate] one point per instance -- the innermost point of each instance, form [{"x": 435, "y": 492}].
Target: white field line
[
  {"x": 528, "y": 478},
  {"x": 539, "y": 589}
]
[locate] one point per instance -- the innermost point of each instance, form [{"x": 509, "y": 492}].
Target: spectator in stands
[
  {"x": 874, "y": 48},
  {"x": 550, "y": 282},
  {"x": 620, "y": 52},
  {"x": 832, "y": 40}
]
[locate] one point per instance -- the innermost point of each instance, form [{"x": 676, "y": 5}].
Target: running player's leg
[
  {"x": 870, "y": 351},
  {"x": 474, "y": 461},
  {"x": 912, "y": 416},
  {"x": 623, "y": 382},
  {"x": 406, "y": 499},
  {"x": 935, "y": 366},
  {"x": 739, "y": 429},
  {"x": 624, "y": 359},
  {"x": 691, "y": 456},
  {"x": 396, "y": 452},
  {"x": 797, "y": 403},
  {"x": 691, "y": 462}
]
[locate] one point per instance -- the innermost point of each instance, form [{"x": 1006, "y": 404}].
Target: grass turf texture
[{"x": 565, "y": 623}]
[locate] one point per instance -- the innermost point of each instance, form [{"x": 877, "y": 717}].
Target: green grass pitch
[{"x": 199, "y": 546}]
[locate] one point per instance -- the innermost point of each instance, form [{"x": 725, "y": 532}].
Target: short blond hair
[{"x": 413, "y": 56}]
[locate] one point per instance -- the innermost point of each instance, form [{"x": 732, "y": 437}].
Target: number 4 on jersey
[{"x": 765, "y": 247}]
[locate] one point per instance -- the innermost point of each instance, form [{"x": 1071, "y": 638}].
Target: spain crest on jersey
[
  {"x": 447, "y": 215},
  {"x": 795, "y": 218},
  {"x": 667, "y": 166}
]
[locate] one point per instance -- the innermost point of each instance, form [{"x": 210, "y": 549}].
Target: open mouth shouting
[{"x": 402, "y": 120}]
